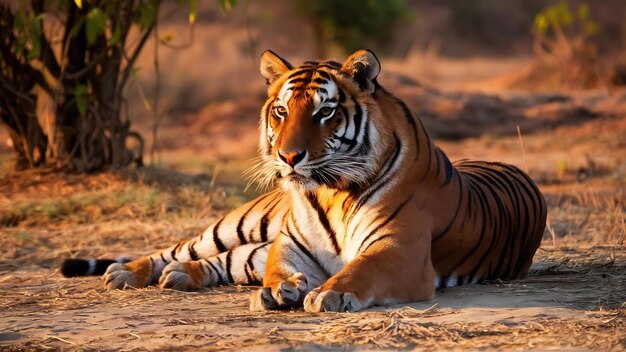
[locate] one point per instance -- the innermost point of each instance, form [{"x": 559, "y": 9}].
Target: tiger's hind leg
[
  {"x": 243, "y": 265},
  {"x": 258, "y": 221}
]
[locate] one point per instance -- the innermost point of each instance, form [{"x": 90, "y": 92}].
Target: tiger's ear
[
  {"x": 273, "y": 66},
  {"x": 363, "y": 66}
]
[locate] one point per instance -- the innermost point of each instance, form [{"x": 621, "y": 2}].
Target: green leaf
[
  {"x": 20, "y": 43},
  {"x": 115, "y": 37},
  {"x": 77, "y": 26},
  {"x": 95, "y": 25},
  {"x": 541, "y": 23},
  {"x": 193, "y": 11},
  {"x": 591, "y": 28},
  {"x": 109, "y": 7},
  {"x": 134, "y": 71},
  {"x": 148, "y": 14},
  {"x": 35, "y": 49},
  {"x": 34, "y": 32},
  {"x": 80, "y": 92},
  {"x": 227, "y": 5},
  {"x": 583, "y": 12}
]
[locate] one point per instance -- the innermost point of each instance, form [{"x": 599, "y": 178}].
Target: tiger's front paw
[
  {"x": 284, "y": 294},
  {"x": 137, "y": 274},
  {"x": 119, "y": 276},
  {"x": 182, "y": 276},
  {"x": 332, "y": 301}
]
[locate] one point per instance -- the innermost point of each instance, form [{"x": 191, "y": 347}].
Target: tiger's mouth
[
  {"x": 297, "y": 178},
  {"x": 299, "y": 181}
]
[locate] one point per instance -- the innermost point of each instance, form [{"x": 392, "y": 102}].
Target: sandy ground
[{"x": 574, "y": 299}]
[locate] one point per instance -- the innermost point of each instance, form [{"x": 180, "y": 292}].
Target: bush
[{"x": 352, "y": 24}]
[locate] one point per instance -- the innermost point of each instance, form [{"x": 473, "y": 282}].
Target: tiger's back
[{"x": 496, "y": 228}]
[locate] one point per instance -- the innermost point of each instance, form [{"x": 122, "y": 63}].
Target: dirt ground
[
  {"x": 573, "y": 300},
  {"x": 574, "y": 146}
]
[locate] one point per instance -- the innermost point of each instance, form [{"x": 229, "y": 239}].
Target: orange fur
[{"x": 142, "y": 268}]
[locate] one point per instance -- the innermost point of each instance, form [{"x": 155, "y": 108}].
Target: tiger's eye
[
  {"x": 326, "y": 111},
  {"x": 280, "y": 111}
]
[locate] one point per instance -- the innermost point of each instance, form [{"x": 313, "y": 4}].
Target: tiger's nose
[{"x": 292, "y": 158}]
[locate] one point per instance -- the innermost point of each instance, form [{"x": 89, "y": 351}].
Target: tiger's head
[{"x": 320, "y": 124}]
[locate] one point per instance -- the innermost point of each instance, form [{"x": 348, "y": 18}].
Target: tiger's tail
[{"x": 74, "y": 267}]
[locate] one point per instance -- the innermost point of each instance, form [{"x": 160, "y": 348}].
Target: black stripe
[
  {"x": 358, "y": 118},
  {"x": 342, "y": 95},
  {"x": 391, "y": 217},
  {"x": 319, "y": 89},
  {"x": 374, "y": 241},
  {"x": 249, "y": 278},
  {"x": 472, "y": 251},
  {"x": 430, "y": 146},
  {"x": 268, "y": 111},
  {"x": 504, "y": 182},
  {"x": 501, "y": 228},
  {"x": 344, "y": 140},
  {"x": 408, "y": 115},
  {"x": 497, "y": 230},
  {"x": 240, "y": 234},
  {"x": 216, "y": 239},
  {"x": 501, "y": 184},
  {"x": 173, "y": 253},
  {"x": 192, "y": 252},
  {"x": 251, "y": 255},
  {"x": 330, "y": 65},
  {"x": 263, "y": 228},
  {"x": 448, "y": 169},
  {"x": 483, "y": 202},
  {"x": 381, "y": 180},
  {"x": 365, "y": 146},
  {"x": 218, "y": 273},
  {"x": 228, "y": 267},
  {"x": 324, "y": 74},
  {"x": 306, "y": 252},
  {"x": 344, "y": 111},
  {"x": 266, "y": 219},
  {"x": 456, "y": 213},
  {"x": 297, "y": 229},
  {"x": 324, "y": 220},
  {"x": 516, "y": 199},
  {"x": 299, "y": 80},
  {"x": 299, "y": 72}
]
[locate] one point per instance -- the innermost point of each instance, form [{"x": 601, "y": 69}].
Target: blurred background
[
  {"x": 198, "y": 86},
  {"x": 535, "y": 83},
  {"x": 434, "y": 52}
]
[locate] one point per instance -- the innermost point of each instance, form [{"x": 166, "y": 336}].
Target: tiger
[{"x": 366, "y": 209}]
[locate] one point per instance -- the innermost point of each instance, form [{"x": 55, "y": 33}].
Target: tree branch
[{"x": 135, "y": 55}]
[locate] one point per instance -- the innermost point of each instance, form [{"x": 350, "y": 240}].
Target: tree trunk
[{"x": 85, "y": 135}]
